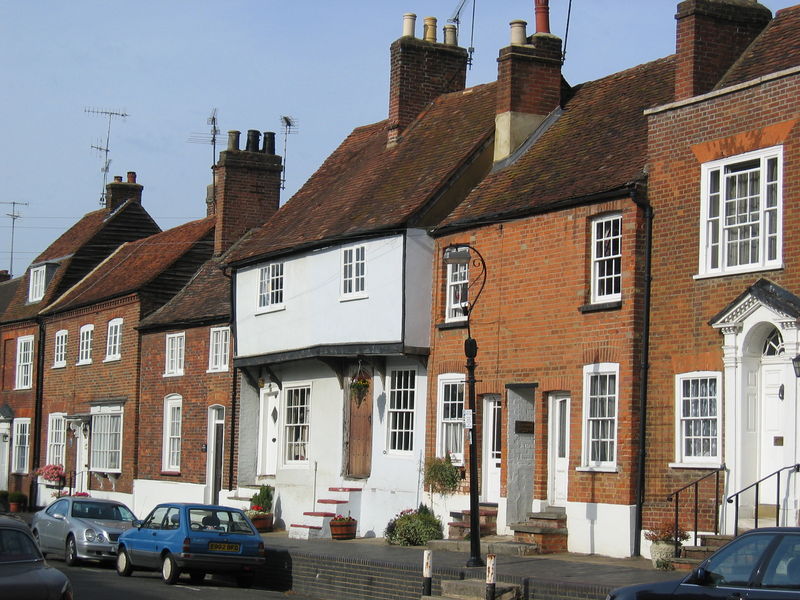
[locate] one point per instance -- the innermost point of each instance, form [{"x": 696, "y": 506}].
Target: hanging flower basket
[{"x": 359, "y": 388}]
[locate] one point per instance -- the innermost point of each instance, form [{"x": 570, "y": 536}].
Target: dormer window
[{"x": 36, "y": 283}]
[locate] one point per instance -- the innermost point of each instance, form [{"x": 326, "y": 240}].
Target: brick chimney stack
[
  {"x": 421, "y": 70},
  {"x": 4, "y": 275},
  {"x": 247, "y": 187},
  {"x": 528, "y": 82},
  {"x": 711, "y": 35},
  {"x": 118, "y": 191}
]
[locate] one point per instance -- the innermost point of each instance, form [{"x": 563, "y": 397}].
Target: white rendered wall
[
  {"x": 605, "y": 529},
  {"x": 147, "y": 493},
  {"x": 419, "y": 288},
  {"x": 314, "y": 311},
  {"x": 395, "y": 480}
]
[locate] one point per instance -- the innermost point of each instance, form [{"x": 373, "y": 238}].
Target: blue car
[{"x": 195, "y": 539}]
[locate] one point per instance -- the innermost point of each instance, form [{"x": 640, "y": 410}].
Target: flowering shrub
[
  {"x": 343, "y": 519},
  {"x": 665, "y": 532},
  {"x": 50, "y": 472},
  {"x": 413, "y": 527}
]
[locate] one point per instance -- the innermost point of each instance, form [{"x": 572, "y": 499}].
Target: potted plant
[
  {"x": 16, "y": 501},
  {"x": 53, "y": 474},
  {"x": 343, "y": 528},
  {"x": 664, "y": 538},
  {"x": 260, "y": 511},
  {"x": 441, "y": 476}
]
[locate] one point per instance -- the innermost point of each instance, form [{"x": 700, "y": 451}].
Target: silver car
[
  {"x": 81, "y": 528},
  {"x": 24, "y": 574}
]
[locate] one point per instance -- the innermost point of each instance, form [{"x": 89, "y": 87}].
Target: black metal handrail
[
  {"x": 674, "y": 497},
  {"x": 735, "y": 496}
]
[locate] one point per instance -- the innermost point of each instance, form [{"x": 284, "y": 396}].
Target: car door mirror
[
  {"x": 700, "y": 576},
  {"x": 58, "y": 516},
  {"x": 137, "y": 523}
]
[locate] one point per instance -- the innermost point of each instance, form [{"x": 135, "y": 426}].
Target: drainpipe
[
  {"x": 232, "y": 327},
  {"x": 33, "y": 494},
  {"x": 644, "y": 366}
]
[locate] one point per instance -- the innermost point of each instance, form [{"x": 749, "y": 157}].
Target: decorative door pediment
[{"x": 784, "y": 305}]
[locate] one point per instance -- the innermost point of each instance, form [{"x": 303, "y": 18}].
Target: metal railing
[
  {"x": 735, "y": 497},
  {"x": 675, "y": 497}
]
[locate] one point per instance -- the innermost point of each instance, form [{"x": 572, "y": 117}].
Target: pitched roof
[
  {"x": 7, "y": 290},
  {"x": 775, "y": 49},
  {"x": 206, "y": 298},
  {"x": 134, "y": 265},
  {"x": 365, "y": 187},
  {"x": 78, "y": 250},
  {"x": 598, "y": 145}
]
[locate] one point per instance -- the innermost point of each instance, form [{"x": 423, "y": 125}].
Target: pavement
[{"x": 563, "y": 567}]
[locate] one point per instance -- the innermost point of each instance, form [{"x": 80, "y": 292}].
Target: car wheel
[
  {"x": 245, "y": 581},
  {"x": 124, "y": 566},
  {"x": 197, "y": 576},
  {"x": 169, "y": 570},
  {"x": 38, "y": 542},
  {"x": 71, "y": 553}
]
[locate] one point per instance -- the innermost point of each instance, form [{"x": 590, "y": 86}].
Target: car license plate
[{"x": 220, "y": 547}]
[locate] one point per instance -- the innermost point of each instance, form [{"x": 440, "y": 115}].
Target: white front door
[
  {"x": 268, "y": 447},
  {"x": 215, "y": 444},
  {"x": 772, "y": 432},
  {"x": 81, "y": 458},
  {"x": 492, "y": 447},
  {"x": 558, "y": 450},
  {"x": 5, "y": 437}
]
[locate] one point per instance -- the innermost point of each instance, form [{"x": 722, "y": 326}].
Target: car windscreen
[
  {"x": 102, "y": 511},
  {"x": 16, "y": 546},
  {"x": 221, "y": 520}
]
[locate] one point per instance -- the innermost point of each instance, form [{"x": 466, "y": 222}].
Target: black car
[{"x": 761, "y": 564}]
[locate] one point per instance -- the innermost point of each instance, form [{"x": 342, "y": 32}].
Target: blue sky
[{"x": 169, "y": 63}]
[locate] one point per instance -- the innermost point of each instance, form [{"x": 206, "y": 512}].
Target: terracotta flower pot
[
  {"x": 263, "y": 523},
  {"x": 14, "y": 507},
  {"x": 343, "y": 530}
]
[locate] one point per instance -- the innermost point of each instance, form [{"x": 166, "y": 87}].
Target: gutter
[
  {"x": 232, "y": 328},
  {"x": 37, "y": 412},
  {"x": 644, "y": 366}
]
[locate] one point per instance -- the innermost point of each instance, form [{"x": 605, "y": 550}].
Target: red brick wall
[
  {"x": 680, "y": 140},
  {"x": 21, "y": 402},
  {"x": 529, "y": 328},
  {"x": 199, "y": 391},
  {"x": 73, "y": 389},
  {"x": 529, "y": 77}
]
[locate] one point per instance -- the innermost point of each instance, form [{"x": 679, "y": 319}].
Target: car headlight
[
  {"x": 101, "y": 537},
  {"x": 89, "y": 535}
]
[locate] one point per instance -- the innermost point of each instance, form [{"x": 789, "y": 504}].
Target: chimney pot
[
  {"x": 253, "y": 137},
  {"x": 409, "y": 24},
  {"x": 118, "y": 178},
  {"x": 131, "y": 176},
  {"x": 269, "y": 143},
  {"x": 429, "y": 34},
  {"x": 233, "y": 140},
  {"x": 5, "y": 275},
  {"x": 542, "y": 11},
  {"x": 519, "y": 34},
  {"x": 450, "y": 35}
]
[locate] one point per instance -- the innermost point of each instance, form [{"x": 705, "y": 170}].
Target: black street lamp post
[{"x": 460, "y": 254}]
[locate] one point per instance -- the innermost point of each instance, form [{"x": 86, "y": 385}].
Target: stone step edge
[
  {"x": 501, "y": 548},
  {"x": 553, "y": 516},
  {"x": 317, "y": 513},
  {"x": 331, "y": 501},
  {"x": 525, "y": 528},
  {"x": 304, "y": 526},
  {"x": 344, "y": 489}
]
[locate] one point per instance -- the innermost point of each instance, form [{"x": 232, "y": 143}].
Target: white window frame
[
  {"x": 456, "y": 292},
  {"x": 296, "y": 424},
  {"x": 174, "y": 354},
  {"x": 401, "y": 411},
  {"x": 218, "y": 349},
  {"x": 85, "y": 345},
  {"x": 106, "y": 442},
  {"x": 450, "y": 417},
  {"x": 36, "y": 283},
  {"x": 607, "y": 258},
  {"x": 56, "y": 438},
  {"x": 715, "y": 420},
  {"x": 354, "y": 272},
  {"x": 271, "y": 292},
  {"x": 714, "y": 241},
  {"x": 114, "y": 340},
  {"x": 60, "y": 349},
  {"x": 23, "y": 379},
  {"x": 589, "y": 419},
  {"x": 171, "y": 443},
  {"x": 20, "y": 450}
]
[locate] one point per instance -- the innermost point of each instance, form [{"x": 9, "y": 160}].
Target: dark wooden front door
[{"x": 359, "y": 435}]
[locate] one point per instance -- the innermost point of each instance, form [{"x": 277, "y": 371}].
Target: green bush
[
  {"x": 17, "y": 497},
  {"x": 263, "y": 498},
  {"x": 4, "y": 500},
  {"x": 413, "y": 528},
  {"x": 441, "y": 475}
]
